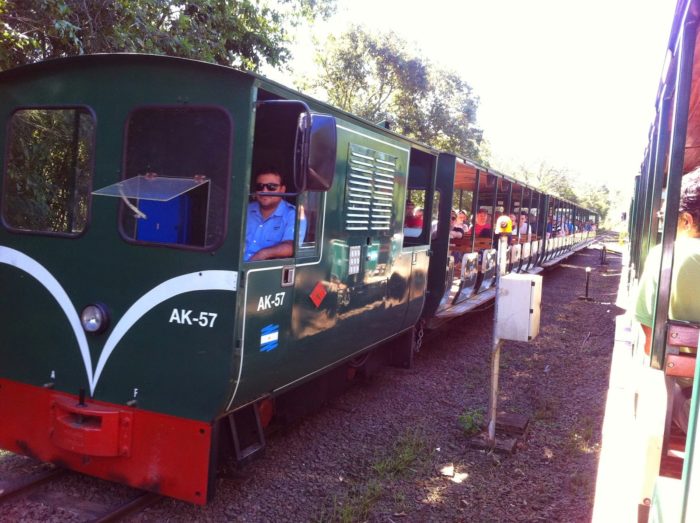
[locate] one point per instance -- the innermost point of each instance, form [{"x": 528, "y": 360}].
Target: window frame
[
  {"x": 226, "y": 189},
  {"x": 92, "y": 163},
  {"x": 310, "y": 249}
]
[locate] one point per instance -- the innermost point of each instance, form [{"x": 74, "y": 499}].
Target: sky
[{"x": 568, "y": 82}]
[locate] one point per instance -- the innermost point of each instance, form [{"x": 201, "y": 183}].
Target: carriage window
[
  {"x": 182, "y": 155},
  {"x": 49, "y": 170}
]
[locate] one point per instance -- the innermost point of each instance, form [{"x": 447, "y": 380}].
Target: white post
[{"x": 496, "y": 348}]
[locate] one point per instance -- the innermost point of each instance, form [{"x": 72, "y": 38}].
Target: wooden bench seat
[
  {"x": 464, "y": 244},
  {"x": 680, "y": 365},
  {"x": 679, "y": 362},
  {"x": 681, "y": 336}
]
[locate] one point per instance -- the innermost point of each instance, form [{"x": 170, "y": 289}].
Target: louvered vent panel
[{"x": 370, "y": 190}]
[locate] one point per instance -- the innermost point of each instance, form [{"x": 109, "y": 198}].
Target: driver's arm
[{"x": 283, "y": 249}]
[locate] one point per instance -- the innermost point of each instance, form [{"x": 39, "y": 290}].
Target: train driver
[
  {"x": 270, "y": 221},
  {"x": 683, "y": 304}
]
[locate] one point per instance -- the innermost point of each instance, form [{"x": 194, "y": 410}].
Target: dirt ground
[{"x": 395, "y": 448}]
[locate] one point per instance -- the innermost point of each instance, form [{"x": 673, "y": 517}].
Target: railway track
[{"x": 30, "y": 487}]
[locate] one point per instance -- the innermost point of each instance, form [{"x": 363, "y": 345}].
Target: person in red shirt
[
  {"x": 482, "y": 226},
  {"x": 411, "y": 219}
]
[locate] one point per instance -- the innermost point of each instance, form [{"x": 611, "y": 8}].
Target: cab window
[
  {"x": 176, "y": 165},
  {"x": 48, "y": 171},
  {"x": 276, "y": 158}
]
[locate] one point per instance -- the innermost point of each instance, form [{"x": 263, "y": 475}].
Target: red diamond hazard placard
[{"x": 317, "y": 294}]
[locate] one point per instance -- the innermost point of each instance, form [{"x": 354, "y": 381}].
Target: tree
[
  {"x": 597, "y": 199},
  {"x": 376, "y": 77},
  {"x": 554, "y": 180},
  {"x": 563, "y": 183},
  {"x": 242, "y": 33}
]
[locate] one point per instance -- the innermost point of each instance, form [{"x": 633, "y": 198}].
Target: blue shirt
[{"x": 262, "y": 233}]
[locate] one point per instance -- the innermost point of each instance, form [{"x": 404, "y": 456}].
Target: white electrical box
[{"x": 519, "y": 300}]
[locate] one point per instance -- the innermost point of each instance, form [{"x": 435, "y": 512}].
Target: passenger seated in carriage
[
  {"x": 463, "y": 221},
  {"x": 411, "y": 219},
  {"x": 412, "y": 224},
  {"x": 456, "y": 233},
  {"x": 457, "y": 228},
  {"x": 524, "y": 227},
  {"x": 482, "y": 225},
  {"x": 683, "y": 304}
]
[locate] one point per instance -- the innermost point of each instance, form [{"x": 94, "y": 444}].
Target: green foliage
[
  {"x": 562, "y": 182},
  {"x": 243, "y": 33},
  {"x": 471, "y": 421},
  {"x": 595, "y": 198},
  {"x": 462, "y": 200},
  {"x": 554, "y": 180},
  {"x": 374, "y": 76}
]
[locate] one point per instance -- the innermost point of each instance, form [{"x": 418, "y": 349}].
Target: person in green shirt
[{"x": 684, "y": 304}]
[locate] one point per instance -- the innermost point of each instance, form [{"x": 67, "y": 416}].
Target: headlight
[{"x": 94, "y": 318}]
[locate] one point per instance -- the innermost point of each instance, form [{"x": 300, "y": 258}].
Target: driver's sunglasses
[{"x": 268, "y": 186}]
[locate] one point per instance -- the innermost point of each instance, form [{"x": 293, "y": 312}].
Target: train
[
  {"x": 139, "y": 343},
  {"x": 668, "y": 486}
]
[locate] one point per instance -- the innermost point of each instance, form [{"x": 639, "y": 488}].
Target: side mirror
[{"x": 319, "y": 166}]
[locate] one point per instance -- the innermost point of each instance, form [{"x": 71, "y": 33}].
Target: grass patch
[
  {"x": 399, "y": 501},
  {"x": 581, "y": 437},
  {"x": 356, "y": 507},
  {"x": 546, "y": 409},
  {"x": 407, "y": 451},
  {"x": 471, "y": 421}
]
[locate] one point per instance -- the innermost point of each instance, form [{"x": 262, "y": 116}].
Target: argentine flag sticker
[{"x": 269, "y": 336}]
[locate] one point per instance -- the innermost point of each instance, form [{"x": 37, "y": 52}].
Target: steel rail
[
  {"x": 140, "y": 502},
  {"x": 28, "y": 484}
]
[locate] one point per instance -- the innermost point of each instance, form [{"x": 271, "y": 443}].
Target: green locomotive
[{"x": 137, "y": 337}]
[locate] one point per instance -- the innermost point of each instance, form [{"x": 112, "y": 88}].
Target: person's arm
[
  {"x": 646, "y": 296},
  {"x": 647, "y": 338},
  {"x": 283, "y": 249}
]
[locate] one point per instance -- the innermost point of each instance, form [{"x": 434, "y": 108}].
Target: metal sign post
[{"x": 504, "y": 227}]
